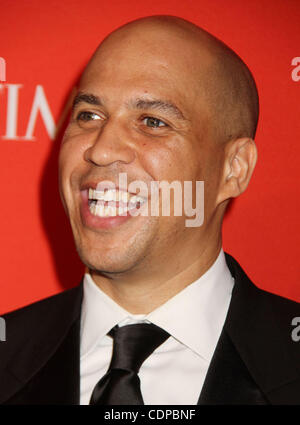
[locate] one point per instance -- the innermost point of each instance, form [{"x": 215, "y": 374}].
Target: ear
[{"x": 239, "y": 163}]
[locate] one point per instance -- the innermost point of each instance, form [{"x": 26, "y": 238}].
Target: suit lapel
[
  {"x": 57, "y": 382},
  {"x": 47, "y": 367},
  {"x": 228, "y": 381},
  {"x": 255, "y": 361}
]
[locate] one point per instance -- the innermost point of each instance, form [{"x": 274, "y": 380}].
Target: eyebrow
[
  {"x": 86, "y": 98},
  {"x": 139, "y": 103},
  {"x": 157, "y": 104}
]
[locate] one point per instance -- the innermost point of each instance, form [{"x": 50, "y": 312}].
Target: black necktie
[{"x": 132, "y": 345}]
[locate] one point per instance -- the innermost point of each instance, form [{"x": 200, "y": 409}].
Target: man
[{"x": 160, "y": 100}]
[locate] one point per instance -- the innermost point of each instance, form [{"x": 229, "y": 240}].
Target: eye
[
  {"x": 154, "y": 122},
  {"x": 87, "y": 116}
]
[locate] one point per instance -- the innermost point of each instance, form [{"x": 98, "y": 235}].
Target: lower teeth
[{"x": 109, "y": 211}]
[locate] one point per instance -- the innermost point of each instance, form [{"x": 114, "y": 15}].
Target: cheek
[
  {"x": 65, "y": 162},
  {"x": 169, "y": 161},
  {"x": 70, "y": 159},
  {"x": 71, "y": 156},
  {"x": 161, "y": 165}
]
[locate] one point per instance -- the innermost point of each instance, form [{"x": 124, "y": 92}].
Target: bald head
[
  {"x": 158, "y": 101},
  {"x": 217, "y": 77}
]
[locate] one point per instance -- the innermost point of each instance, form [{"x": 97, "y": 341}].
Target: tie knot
[{"x": 134, "y": 343}]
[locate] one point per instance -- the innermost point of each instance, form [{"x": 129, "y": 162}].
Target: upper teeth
[
  {"x": 114, "y": 195},
  {"x": 109, "y": 195}
]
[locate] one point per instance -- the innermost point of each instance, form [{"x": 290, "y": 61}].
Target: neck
[{"x": 142, "y": 292}]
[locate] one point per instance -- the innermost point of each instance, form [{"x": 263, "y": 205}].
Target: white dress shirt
[{"x": 174, "y": 373}]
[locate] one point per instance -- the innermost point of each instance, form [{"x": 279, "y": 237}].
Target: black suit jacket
[{"x": 255, "y": 361}]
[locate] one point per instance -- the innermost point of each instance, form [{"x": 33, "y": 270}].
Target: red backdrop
[{"x": 46, "y": 45}]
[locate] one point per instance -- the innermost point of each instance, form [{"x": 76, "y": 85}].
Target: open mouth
[{"x": 113, "y": 202}]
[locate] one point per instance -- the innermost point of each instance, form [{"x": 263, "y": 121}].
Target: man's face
[{"x": 140, "y": 111}]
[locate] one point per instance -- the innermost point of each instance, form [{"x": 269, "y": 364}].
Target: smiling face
[{"x": 140, "y": 110}]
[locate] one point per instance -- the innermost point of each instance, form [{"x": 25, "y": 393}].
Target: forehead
[{"x": 142, "y": 65}]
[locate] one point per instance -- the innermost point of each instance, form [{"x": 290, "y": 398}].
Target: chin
[
  {"x": 107, "y": 262},
  {"x": 115, "y": 254}
]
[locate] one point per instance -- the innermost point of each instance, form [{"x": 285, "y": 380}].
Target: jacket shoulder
[
  {"x": 278, "y": 302},
  {"x": 41, "y": 307},
  {"x": 40, "y": 322},
  {"x": 261, "y": 326}
]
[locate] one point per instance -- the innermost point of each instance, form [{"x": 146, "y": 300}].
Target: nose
[{"x": 111, "y": 144}]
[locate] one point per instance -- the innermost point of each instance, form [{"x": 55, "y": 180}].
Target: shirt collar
[
  {"x": 99, "y": 314},
  {"x": 195, "y": 316}
]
